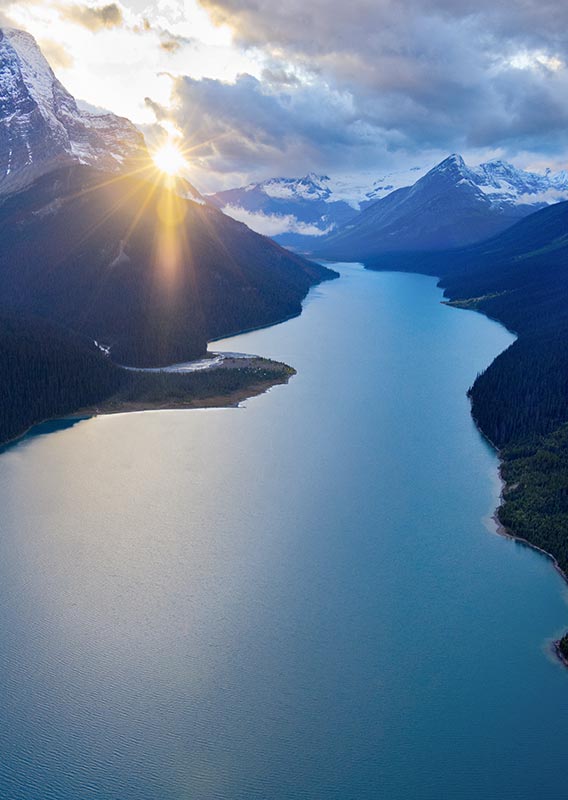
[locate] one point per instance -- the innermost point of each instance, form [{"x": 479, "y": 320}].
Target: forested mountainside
[
  {"x": 521, "y": 401},
  {"x": 149, "y": 275},
  {"x": 49, "y": 373},
  {"x": 102, "y": 253}
]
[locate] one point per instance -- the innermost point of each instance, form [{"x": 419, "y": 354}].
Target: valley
[
  {"x": 279, "y": 579},
  {"x": 520, "y": 402}
]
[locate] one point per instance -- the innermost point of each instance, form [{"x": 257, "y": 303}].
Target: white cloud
[
  {"x": 273, "y": 224},
  {"x": 115, "y": 54}
]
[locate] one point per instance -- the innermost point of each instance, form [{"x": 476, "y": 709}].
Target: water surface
[{"x": 299, "y": 598}]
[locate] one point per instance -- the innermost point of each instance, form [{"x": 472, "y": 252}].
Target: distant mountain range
[
  {"x": 296, "y": 211},
  {"x": 451, "y": 205}
]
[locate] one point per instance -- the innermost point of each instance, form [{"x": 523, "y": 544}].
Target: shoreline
[
  {"x": 506, "y": 533},
  {"x": 498, "y": 526},
  {"x": 500, "y": 529},
  {"x": 560, "y": 655},
  {"x": 335, "y": 276},
  {"x": 232, "y": 399},
  {"x": 259, "y": 327}
]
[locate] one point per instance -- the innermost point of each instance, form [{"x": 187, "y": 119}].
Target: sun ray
[{"x": 169, "y": 158}]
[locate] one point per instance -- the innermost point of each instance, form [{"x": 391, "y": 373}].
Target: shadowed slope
[{"x": 129, "y": 263}]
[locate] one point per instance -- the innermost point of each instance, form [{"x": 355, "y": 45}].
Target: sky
[{"x": 258, "y": 88}]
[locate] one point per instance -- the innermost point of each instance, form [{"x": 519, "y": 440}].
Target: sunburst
[{"x": 169, "y": 159}]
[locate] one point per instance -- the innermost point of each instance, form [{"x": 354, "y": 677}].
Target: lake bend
[{"x": 300, "y": 598}]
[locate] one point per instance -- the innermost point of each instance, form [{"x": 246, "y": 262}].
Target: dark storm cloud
[
  {"x": 411, "y": 74},
  {"x": 249, "y": 125},
  {"x": 323, "y": 25}
]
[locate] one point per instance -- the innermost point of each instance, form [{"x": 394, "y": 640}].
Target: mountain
[
  {"x": 98, "y": 242},
  {"x": 306, "y": 213},
  {"x": 147, "y": 274},
  {"x": 506, "y": 185},
  {"x": 291, "y": 210},
  {"x": 296, "y": 212},
  {"x": 388, "y": 183},
  {"x": 451, "y": 206},
  {"x": 519, "y": 277},
  {"x": 41, "y": 125}
]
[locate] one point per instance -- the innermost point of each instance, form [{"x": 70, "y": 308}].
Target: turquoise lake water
[{"x": 300, "y": 598}]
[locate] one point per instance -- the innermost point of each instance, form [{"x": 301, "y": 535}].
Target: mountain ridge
[
  {"x": 99, "y": 242},
  {"x": 306, "y": 212},
  {"x": 452, "y": 205},
  {"x": 41, "y": 126},
  {"x": 152, "y": 289}
]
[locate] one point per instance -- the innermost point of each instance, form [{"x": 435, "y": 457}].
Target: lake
[{"x": 303, "y": 597}]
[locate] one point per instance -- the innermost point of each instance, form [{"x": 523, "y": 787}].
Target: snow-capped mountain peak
[
  {"x": 41, "y": 124},
  {"x": 452, "y": 163},
  {"x": 293, "y": 210},
  {"x": 36, "y": 72},
  {"x": 498, "y": 182},
  {"x": 310, "y": 187},
  {"x": 451, "y": 206},
  {"x": 504, "y": 183}
]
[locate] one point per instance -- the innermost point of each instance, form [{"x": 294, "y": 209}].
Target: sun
[{"x": 169, "y": 159}]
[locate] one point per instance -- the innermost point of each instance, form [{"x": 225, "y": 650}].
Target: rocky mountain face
[
  {"x": 451, "y": 206},
  {"x": 41, "y": 125},
  {"x": 504, "y": 184}
]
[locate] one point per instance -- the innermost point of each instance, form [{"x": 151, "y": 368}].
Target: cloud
[
  {"x": 278, "y": 76},
  {"x": 94, "y": 18},
  {"x": 334, "y": 87},
  {"x": 434, "y": 74},
  {"x": 171, "y": 42},
  {"x": 274, "y": 224},
  {"x": 321, "y": 27},
  {"x": 56, "y": 54},
  {"x": 249, "y": 127}
]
